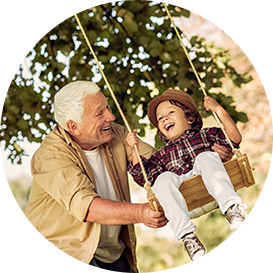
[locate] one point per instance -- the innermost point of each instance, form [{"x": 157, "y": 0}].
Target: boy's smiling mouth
[{"x": 168, "y": 126}]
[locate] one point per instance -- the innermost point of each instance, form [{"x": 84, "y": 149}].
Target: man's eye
[
  {"x": 171, "y": 112},
  {"x": 159, "y": 118},
  {"x": 99, "y": 113}
]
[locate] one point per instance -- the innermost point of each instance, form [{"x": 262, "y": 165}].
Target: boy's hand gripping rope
[{"x": 235, "y": 151}]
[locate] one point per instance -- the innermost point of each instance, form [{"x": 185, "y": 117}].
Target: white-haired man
[{"x": 80, "y": 199}]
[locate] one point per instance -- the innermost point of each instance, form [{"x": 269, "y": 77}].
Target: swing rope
[
  {"x": 147, "y": 184},
  {"x": 235, "y": 151}
]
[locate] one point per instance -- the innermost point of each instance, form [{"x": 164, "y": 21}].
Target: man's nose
[{"x": 110, "y": 116}]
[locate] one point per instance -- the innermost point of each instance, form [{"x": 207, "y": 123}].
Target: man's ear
[{"x": 72, "y": 127}]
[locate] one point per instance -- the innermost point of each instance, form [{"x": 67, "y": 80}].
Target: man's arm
[{"x": 107, "y": 212}]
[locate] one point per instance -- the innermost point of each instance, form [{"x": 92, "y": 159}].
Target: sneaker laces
[
  {"x": 191, "y": 242},
  {"x": 241, "y": 208}
]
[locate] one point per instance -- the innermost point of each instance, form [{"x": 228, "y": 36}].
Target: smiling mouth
[
  {"x": 106, "y": 128},
  {"x": 168, "y": 126}
]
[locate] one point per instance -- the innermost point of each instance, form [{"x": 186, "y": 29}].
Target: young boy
[{"x": 188, "y": 153}]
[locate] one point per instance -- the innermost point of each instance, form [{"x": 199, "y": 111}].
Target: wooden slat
[{"x": 196, "y": 194}]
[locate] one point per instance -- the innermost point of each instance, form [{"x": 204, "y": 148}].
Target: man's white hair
[{"x": 69, "y": 101}]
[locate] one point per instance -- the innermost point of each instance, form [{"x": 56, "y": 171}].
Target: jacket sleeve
[{"x": 66, "y": 183}]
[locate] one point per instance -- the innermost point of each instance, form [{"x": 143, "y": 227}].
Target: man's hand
[
  {"x": 225, "y": 153},
  {"x": 151, "y": 218}
]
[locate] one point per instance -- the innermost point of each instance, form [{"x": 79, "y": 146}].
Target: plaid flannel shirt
[{"x": 178, "y": 156}]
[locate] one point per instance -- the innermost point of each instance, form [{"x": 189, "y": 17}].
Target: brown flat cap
[{"x": 171, "y": 94}]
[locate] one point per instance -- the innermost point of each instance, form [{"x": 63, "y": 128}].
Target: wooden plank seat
[{"x": 196, "y": 194}]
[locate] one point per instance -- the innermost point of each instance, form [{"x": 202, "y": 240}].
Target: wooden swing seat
[{"x": 195, "y": 193}]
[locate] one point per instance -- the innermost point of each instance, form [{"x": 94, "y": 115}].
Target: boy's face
[{"x": 171, "y": 120}]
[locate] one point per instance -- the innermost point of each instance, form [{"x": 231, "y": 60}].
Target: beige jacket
[{"x": 64, "y": 186}]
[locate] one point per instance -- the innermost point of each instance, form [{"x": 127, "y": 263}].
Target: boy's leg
[
  {"x": 210, "y": 167},
  {"x": 176, "y": 210},
  {"x": 218, "y": 184},
  {"x": 166, "y": 191}
]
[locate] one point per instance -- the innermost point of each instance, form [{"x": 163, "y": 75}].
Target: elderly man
[{"x": 80, "y": 199}]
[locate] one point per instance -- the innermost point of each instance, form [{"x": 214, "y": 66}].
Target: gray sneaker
[
  {"x": 235, "y": 216},
  {"x": 193, "y": 246}
]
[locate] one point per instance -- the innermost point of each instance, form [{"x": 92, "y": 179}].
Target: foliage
[
  {"x": 137, "y": 48},
  {"x": 13, "y": 200}
]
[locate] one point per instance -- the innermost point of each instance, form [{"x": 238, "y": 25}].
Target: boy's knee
[
  {"x": 207, "y": 155},
  {"x": 163, "y": 180}
]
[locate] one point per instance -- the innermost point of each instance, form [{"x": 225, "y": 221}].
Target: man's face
[
  {"x": 171, "y": 120},
  {"x": 95, "y": 127}
]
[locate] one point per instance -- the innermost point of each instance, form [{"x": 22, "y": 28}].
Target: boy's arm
[
  {"x": 230, "y": 127},
  {"x": 132, "y": 141}
]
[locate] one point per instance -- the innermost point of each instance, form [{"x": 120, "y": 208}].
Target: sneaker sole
[
  {"x": 202, "y": 259},
  {"x": 239, "y": 226},
  {"x": 235, "y": 225}
]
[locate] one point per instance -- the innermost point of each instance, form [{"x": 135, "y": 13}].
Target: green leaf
[
  {"x": 22, "y": 124},
  {"x": 166, "y": 57},
  {"x": 248, "y": 10},
  {"x": 233, "y": 20},
  {"x": 27, "y": 53},
  {"x": 13, "y": 109},
  {"x": 262, "y": 4},
  {"x": 132, "y": 27}
]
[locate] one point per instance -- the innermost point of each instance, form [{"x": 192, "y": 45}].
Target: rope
[
  {"x": 236, "y": 151},
  {"x": 147, "y": 184}
]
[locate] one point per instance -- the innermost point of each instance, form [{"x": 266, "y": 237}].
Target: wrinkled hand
[
  {"x": 224, "y": 152},
  {"x": 132, "y": 139},
  {"x": 151, "y": 218}
]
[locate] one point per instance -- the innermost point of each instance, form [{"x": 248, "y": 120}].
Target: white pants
[{"x": 210, "y": 167}]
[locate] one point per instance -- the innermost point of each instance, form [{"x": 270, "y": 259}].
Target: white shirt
[{"x": 110, "y": 245}]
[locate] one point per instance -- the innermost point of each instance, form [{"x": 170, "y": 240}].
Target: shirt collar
[{"x": 185, "y": 135}]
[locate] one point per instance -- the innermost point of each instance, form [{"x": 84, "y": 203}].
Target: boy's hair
[{"x": 191, "y": 115}]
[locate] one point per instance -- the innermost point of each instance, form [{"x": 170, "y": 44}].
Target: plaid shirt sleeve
[
  {"x": 216, "y": 135},
  {"x": 153, "y": 167}
]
